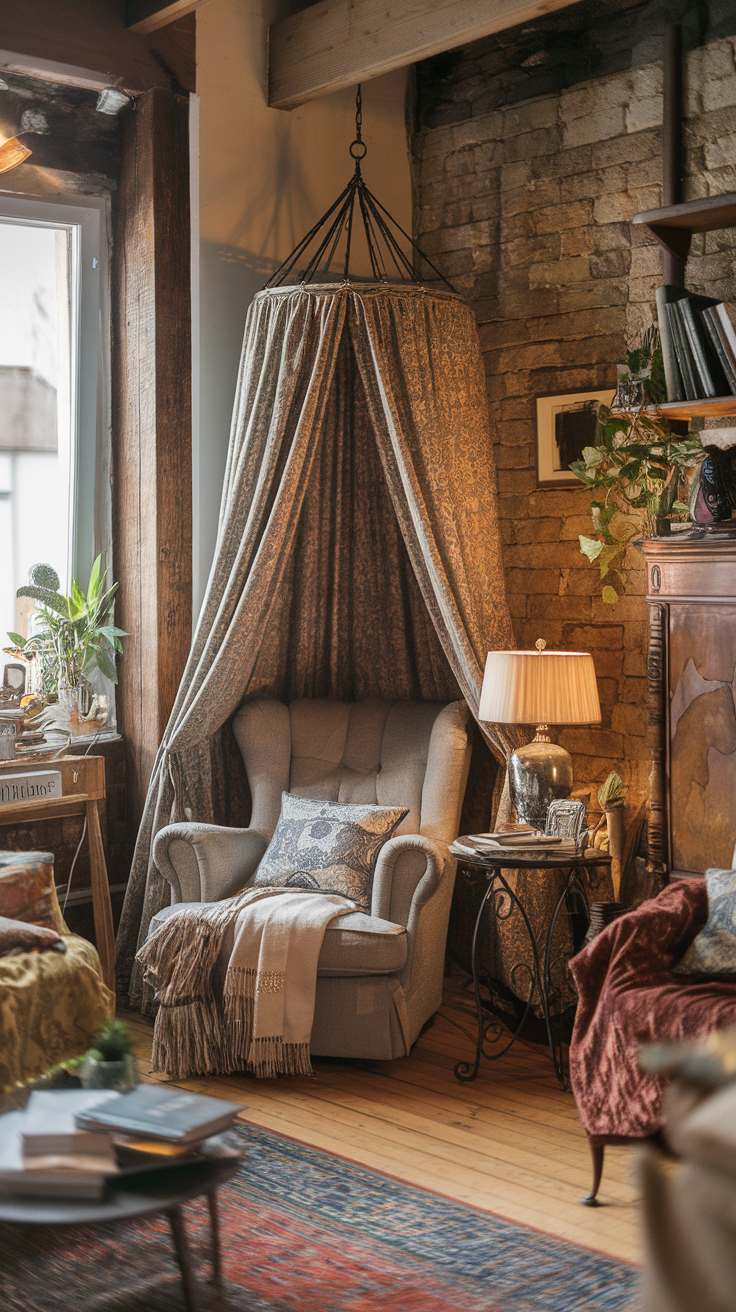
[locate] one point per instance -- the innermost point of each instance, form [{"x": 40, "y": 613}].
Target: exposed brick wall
[{"x": 526, "y": 208}]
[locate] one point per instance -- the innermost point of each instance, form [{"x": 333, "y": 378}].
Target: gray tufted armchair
[{"x": 380, "y": 975}]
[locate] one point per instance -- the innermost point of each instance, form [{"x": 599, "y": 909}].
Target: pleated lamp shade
[
  {"x": 12, "y": 153},
  {"x": 532, "y": 687}
]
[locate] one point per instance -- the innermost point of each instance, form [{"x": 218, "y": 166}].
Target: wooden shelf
[
  {"x": 713, "y": 408},
  {"x": 674, "y": 225},
  {"x": 45, "y": 808}
]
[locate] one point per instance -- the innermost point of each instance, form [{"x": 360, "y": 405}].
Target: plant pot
[
  {"x": 616, "y": 840},
  {"x": 121, "y": 1075},
  {"x": 74, "y": 704}
]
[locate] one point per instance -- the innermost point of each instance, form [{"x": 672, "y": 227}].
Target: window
[{"x": 54, "y": 424}]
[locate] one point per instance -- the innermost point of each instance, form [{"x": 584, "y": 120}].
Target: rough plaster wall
[{"x": 527, "y": 209}]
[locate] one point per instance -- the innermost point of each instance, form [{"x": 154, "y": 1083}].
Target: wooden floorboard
[{"x": 510, "y": 1142}]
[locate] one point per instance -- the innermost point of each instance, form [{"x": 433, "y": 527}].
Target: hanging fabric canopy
[{"x": 358, "y": 550}]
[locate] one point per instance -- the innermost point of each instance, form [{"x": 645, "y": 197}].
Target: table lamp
[{"x": 540, "y": 688}]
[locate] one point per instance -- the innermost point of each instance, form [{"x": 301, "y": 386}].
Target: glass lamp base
[{"x": 539, "y": 774}]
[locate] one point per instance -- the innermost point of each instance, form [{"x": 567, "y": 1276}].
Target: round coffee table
[
  {"x": 503, "y": 898},
  {"x": 158, "y": 1190}
]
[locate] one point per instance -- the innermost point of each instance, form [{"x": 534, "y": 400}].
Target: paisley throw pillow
[
  {"x": 330, "y": 847},
  {"x": 17, "y": 936},
  {"x": 27, "y": 889},
  {"x": 713, "y": 950}
]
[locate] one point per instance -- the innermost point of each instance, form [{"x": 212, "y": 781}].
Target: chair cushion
[
  {"x": 357, "y": 944},
  {"x": 354, "y": 944},
  {"x": 27, "y": 889},
  {"x": 329, "y": 846}
]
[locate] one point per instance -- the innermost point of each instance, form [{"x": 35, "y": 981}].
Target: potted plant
[
  {"x": 639, "y": 468},
  {"x": 111, "y": 1064},
  {"x": 77, "y": 635}
]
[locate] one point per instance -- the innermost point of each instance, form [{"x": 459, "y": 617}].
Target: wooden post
[
  {"x": 673, "y": 266},
  {"x": 101, "y": 904},
  {"x": 657, "y": 822},
  {"x": 152, "y": 473}
]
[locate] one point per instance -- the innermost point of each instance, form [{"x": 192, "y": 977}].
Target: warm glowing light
[{"x": 12, "y": 153}]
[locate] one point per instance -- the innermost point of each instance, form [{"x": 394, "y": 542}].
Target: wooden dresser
[{"x": 691, "y": 592}]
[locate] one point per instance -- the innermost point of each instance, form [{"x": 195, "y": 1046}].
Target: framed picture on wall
[{"x": 566, "y": 424}]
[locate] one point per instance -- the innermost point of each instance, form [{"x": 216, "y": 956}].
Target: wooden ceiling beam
[
  {"x": 150, "y": 15},
  {"x": 338, "y": 43}
]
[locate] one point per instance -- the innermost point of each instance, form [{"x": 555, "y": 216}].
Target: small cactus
[{"x": 44, "y": 576}]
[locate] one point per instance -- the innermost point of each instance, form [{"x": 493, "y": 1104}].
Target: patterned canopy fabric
[{"x": 358, "y": 550}]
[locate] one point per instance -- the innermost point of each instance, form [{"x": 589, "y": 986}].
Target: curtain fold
[
  {"x": 421, "y": 368},
  {"x": 358, "y": 551}
]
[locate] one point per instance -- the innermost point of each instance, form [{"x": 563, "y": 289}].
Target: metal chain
[
  {"x": 355, "y": 203},
  {"x": 359, "y": 142}
]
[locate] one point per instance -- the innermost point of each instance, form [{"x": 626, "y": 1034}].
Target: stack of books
[
  {"x": 70, "y": 1142},
  {"x": 698, "y": 345},
  {"x": 522, "y": 841}
]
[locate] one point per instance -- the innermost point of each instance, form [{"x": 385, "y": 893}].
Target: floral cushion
[
  {"x": 27, "y": 889},
  {"x": 331, "y": 847},
  {"x": 713, "y": 950}
]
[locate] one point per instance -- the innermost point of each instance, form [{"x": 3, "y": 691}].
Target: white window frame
[{"x": 87, "y": 221}]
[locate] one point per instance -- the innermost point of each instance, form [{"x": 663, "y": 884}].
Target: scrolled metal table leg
[
  {"x": 465, "y": 1070},
  {"x": 573, "y": 880},
  {"x": 498, "y": 885}
]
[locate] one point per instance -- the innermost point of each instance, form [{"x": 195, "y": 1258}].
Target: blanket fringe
[
  {"x": 268, "y": 1058},
  {"x": 188, "y": 1040},
  {"x": 193, "y": 1034}
]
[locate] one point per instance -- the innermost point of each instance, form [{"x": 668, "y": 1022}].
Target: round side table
[
  {"x": 163, "y": 1190},
  {"x": 503, "y": 899}
]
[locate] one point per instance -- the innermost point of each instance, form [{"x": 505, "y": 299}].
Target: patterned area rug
[{"x": 304, "y": 1231}]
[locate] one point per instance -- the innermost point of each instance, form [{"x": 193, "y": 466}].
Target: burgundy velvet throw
[
  {"x": 358, "y": 552},
  {"x": 628, "y": 995}
]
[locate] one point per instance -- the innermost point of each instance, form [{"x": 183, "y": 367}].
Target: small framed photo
[{"x": 566, "y": 424}]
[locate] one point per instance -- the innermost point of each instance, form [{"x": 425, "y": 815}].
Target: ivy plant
[{"x": 638, "y": 471}]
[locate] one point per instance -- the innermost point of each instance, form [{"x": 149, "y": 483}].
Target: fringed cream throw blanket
[{"x": 263, "y": 1023}]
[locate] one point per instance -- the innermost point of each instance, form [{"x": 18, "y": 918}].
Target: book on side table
[
  {"x": 71, "y": 1142},
  {"x": 42, "y": 1152},
  {"x": 155, "y": 1112}
]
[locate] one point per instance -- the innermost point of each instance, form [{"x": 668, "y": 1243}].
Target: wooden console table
[{"x": 83, "y": 788}]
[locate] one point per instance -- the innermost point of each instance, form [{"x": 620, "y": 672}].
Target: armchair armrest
[
  {"x": 206, "y": 863},
  {"x": 408, "y": 871}
]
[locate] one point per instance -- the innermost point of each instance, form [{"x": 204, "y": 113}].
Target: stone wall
[{"x": 526, "y": 207}]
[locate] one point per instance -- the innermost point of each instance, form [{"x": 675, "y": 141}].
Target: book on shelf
[
  {"x": 685, "y": 363},
  {"x": 722, "y": 335},
  {"x": 672, "y": 376},
  {"x": 711, "y": 377},
  {"x": 155, "y": 1112},
  {"x": 698, "y": 345}
]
